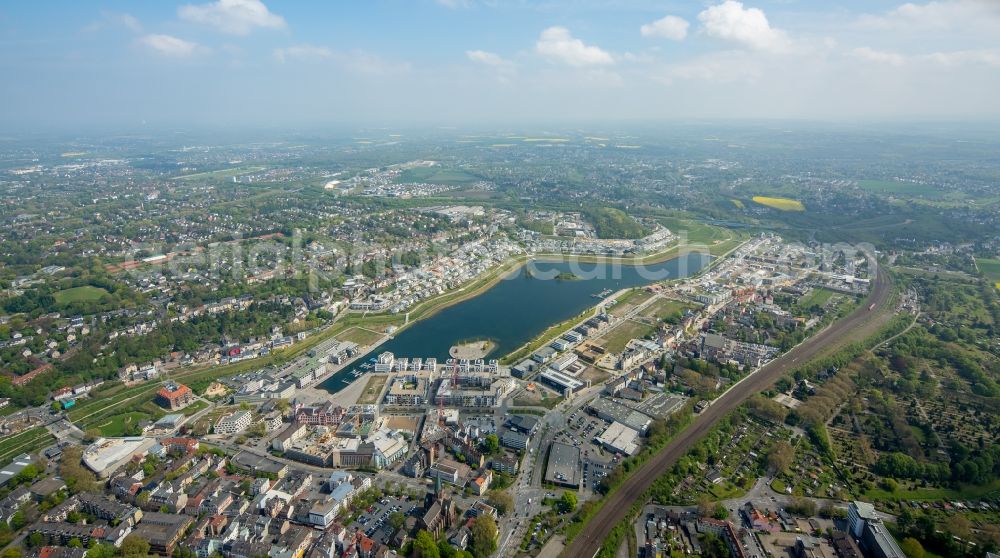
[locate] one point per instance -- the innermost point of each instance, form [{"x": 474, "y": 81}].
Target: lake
[{"x": 521, "y": 306}]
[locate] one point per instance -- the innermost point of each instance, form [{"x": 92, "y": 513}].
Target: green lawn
[
  {"x": 436, "y": 175},
  {"x": 86, "y": 293},
  {"x": 616, "y": 340},
  {"x": 360, "y": 336},
  {"x": 194, "y": 407},
  {"x": 116, "y": 425},
  {"x": 667, "y": 308},
  {"x": 965, "y": 492},
  {"x": 817, "y": 297}
]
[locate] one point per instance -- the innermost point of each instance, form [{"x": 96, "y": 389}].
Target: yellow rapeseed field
[{"x": 782, "y": 204}]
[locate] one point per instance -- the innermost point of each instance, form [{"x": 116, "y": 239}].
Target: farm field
[
  {"x": 991, "y": 269},
  {"x": 900, "y": 188},
  {"x": 24, "y": 442},
  {"x": 86, "y": 293},
  {"x": 781, "y": 204}
]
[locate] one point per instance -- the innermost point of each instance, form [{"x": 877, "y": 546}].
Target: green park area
[{"x": 86, "y": 293}]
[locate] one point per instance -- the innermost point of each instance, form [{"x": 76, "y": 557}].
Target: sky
[{"x": 71, "y": 65}]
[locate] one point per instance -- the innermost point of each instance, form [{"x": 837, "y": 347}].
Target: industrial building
[
  {"x": 619, "y": 438},
  {"x": 106, "y": 455},
  {"x": 613, "y": 411},
  {"x": 563, "y": 466},
  {"x": 564, "y": 383}
]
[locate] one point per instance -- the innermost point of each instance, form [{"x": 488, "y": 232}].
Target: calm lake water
[{"x": 520, "y": 307}]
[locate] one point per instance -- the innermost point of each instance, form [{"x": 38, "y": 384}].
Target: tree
[
  {"x": 501, "y": 500},
  {"x": 396, "y": 520},
  {"x": 706, "y": 507},
  {"x": 134, "y": 547},
  {"x": 424, "y": 546},
  {"x": 712, "y": 546},
  {"x": 567, "y": 503},
  {"x": 491, "y": 444},
  {"x": 102, "y": 551},
  {"x": 484, "y": 536},
  {"x": 282, "y": 405},
  {"x": 959, "y": 526},
  {"x": 720, "y": 512},
  {"x": 36, "y": 540},
  {"x": 912, "y": 548},
  {"x": 75, "y": 543},
  {"x": 11, "y": 553},
  {"x": 780, "y": 456}
]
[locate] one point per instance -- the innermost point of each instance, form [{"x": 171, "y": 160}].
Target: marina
[{"x": 518, "y": 308}]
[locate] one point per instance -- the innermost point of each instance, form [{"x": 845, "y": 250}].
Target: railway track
[{"x": 617, "y": 506}]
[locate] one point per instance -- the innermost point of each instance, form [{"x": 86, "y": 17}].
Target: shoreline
[{"x": 498, "y": 275}]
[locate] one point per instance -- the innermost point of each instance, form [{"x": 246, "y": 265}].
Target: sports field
[{"x": 86, "y": 293}]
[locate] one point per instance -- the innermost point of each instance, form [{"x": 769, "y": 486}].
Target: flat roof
[
  {"x": 15, "y": 467},
  {"x": 564, "y": 380},
  {"x": 621, "y": 413},
  {"x": 620, "y": 438},
  {"x": 563, "y": 465},
  {"x": 106, "y": 454}
]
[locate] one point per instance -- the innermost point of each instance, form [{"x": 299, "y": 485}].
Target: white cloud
[
  {"x": 127, "y": 20},
  {"x": 115, "y": 19},
  {"x": 487, "y": 58},
  {"x": 958, "y": 15},
  {"x": 503, "y": 70},
  {"x": 302, "y": 52},
  {"x": 169, "y": 45},
  {"x": 988, "y": 57},
  {"x": 879, "y": 56},
  {"x": 730, "y": 21},
  {"x": 946, "y": 59},
  {"x": 357, "y": 61},
  {"x": 556, "y": 44},
  {"x": 669, "y": 27},
  {"x": 236, "y": 17}
]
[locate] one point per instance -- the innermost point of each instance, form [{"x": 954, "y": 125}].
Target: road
[{"x": 617, "y": 507}]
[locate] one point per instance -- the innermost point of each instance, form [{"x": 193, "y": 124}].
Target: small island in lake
[{"x": 567, "y": 276}]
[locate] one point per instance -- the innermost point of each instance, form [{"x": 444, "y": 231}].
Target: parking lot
[
  {"x": 375, "y": 520},
  {"x": 581, "y": 429}
]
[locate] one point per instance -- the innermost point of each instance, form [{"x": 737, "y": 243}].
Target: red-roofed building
[
  {"x": 174, "y": 396},
  {"x": 22, "y": 380}
]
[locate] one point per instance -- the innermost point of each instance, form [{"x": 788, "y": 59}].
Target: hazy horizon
[{"x": 247, "y": 64}]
